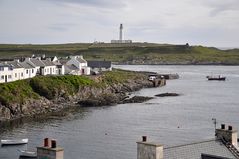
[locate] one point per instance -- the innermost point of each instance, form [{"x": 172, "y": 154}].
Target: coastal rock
[
  {"x": 167, "y": 95},
  {"x": 5, "y": 113},
  {"x": 102, "y": 100},
  {"x": 137, "y": 99}
]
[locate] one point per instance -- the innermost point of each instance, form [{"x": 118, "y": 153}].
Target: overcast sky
[{"x": 197, "y": 22}]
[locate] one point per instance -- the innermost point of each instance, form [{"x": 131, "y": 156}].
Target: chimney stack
[
  {"x": 229, "y": 135},
  {"x": 147, "y": 150},
  {"x": 50, "y": 150}
]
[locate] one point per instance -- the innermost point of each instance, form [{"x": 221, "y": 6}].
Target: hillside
[
  {"x": 47, "y": 94},
  {"x": 135, "y": 53}
]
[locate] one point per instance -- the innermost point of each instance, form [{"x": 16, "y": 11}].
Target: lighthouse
[
  {"x": 120, "y": 40},
  {"x": 121, "y": 32}
]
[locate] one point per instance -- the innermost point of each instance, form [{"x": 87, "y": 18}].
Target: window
[
  {"x": 15, "y": 75},
  {"x": 9, "y": 76},
  {"x": 2, "y": 77},
  {"x": 22, "y": 74},
  {"x": 1, "y": 68},
  {"x": 26, "y": 71}
]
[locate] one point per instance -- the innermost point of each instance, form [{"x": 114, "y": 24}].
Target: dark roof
[
  {"x": 48, "y": 63},
  {"x": 27, "y": 65},
  {"x": 99, "y": 64},
  {"x": 195, "y": 150},
  {"x": 4, "y": 65},
  {"x": 15, "y": 64},
  {"x": 37, "y": 62}
]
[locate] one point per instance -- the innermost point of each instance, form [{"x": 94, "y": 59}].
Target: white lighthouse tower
[
  {"x": 121, "y": 32},
  {"x": 120, "y": 37}
]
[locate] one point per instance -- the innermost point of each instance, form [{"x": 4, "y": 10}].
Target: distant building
[
  {"x": 120, "y": 37},
  {"x": 99, "y": 66},
  {"x": 223, "y": 146}
]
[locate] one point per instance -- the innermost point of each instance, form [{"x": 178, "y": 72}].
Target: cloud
[
  {"x": 91, "y": 3},
  {"x": 219, "y": 6}
]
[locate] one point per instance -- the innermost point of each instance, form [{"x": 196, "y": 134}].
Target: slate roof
[
  {"x": 195, "y": 150},
  {"x": 81, "y": 60},
  {"x": 27, "y": 65},
  {"x": 37, "y": 62},
  {"x": 48, "y": 63},
  {"x": 99, "y": 64},
  {"x": 15, "y": 64}
]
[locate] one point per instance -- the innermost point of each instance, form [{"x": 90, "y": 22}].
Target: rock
[
  {"x": 137, "y": 99},
  {"x": 5, "y": 113},
  {"x": 167, "y": 95},
  {"x": 102, "y": 100}
]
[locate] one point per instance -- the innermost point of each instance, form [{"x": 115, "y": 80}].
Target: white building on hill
[{"x": 79, "y": 64}]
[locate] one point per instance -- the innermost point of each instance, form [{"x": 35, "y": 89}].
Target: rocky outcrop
[
  {"x": 109, "y": 94},
  {"x": 137, "y": 99},
  {"x": 167, "y": 95}
]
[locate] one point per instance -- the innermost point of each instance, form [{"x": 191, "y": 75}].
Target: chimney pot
[
  {"x": 229, "y": 127},
  {"x": 223, "y": 126},
  {"x": 144, "y": 138},
  {"x": 46, "y": 142},
  {"x": 53, "y": 143}
]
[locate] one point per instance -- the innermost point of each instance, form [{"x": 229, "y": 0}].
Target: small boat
[
  {"x": 25, "y": 153},
  {"x": 219, "y": 78},
  {"x": 14, "y": 142}
]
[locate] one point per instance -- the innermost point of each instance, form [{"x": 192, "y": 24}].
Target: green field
[{"x": 135, "y": 53}]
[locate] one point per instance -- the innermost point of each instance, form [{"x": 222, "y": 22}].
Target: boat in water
[
  {"x": 14, "y": 142},
  {"x": 25, "y": 153},
  {"x": 218, "y": 78}
]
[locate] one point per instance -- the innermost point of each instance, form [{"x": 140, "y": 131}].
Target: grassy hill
[{"x": 135, "y": 53}]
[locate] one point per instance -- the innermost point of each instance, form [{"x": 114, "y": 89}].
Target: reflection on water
[{"x": 111, "y": 132}]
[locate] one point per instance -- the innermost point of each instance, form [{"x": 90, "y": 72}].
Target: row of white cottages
[{"x": 30, "y": 67}]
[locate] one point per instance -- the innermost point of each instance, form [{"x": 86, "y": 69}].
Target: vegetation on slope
[
  {"x": 135, "y": 53},
  {"x": 52, "y": 87}
]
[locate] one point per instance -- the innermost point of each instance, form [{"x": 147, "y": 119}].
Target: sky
[{"x": 197, "y": 22}]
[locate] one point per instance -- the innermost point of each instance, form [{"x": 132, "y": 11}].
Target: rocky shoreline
[{"x": 112, "y": 94}]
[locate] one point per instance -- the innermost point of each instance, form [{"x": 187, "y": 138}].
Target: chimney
[
  {"x": 53, "y": 143},
  {"x": 50, "y": 150},
  {"x": 47, "y": 142},
  {"x": 223, "y": 126},
  {"x": 148, "y": 150},
  {"x": 144, "y": 138},
  {"x": 229, "y": 135}
]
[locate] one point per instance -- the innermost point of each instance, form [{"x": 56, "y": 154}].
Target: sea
[{"x": 111, "y": 132}]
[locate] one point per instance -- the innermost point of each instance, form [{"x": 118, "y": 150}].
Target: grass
[
  {"x": 135, "y": 53},
  {"x": 52, "y": 87}
]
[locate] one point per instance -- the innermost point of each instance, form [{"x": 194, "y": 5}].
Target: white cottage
[
  {"x": 44, "y": 67},
  {"x": 5, "y": 73},
  {"x": 79, "y": 63}
]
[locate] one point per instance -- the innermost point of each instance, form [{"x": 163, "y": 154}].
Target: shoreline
[{"x": 111, "y": 94}]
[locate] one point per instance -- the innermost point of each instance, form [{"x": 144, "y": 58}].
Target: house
[
  {"x": 223, "y": 146},
  {"x": 80, "y": 64},
  {"x": 60, "y": 68},
  {"x": 5, "y": 72},
  {"x": 18, "y": 70},
  {"x": 43, "y": 67},
  {"x": 29, "y": 69},
  {"x": 99, "y": 66}
]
